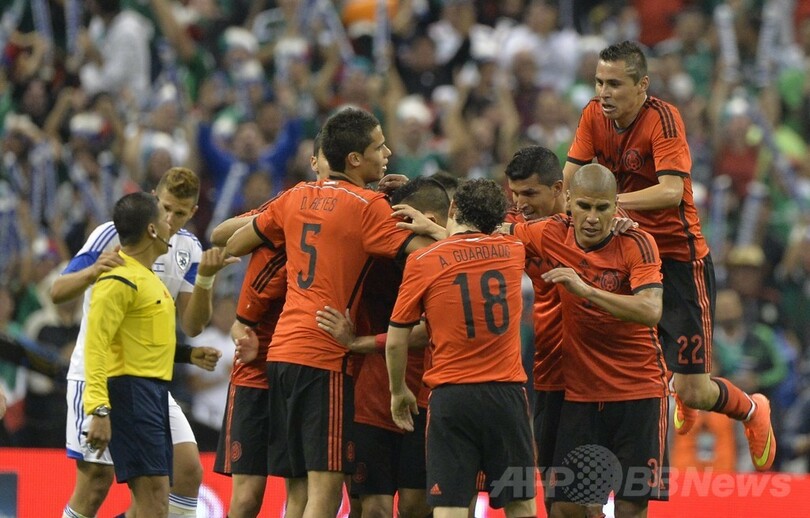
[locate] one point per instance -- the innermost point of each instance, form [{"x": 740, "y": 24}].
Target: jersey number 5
[
  {"x": 306, "y": 282},
  {"x": 491, "y": 301}
]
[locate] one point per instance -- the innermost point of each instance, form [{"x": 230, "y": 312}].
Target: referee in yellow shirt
[{"x": 129, "y": 357}]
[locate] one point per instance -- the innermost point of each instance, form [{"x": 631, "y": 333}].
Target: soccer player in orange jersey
[
  {"x": 389, "y": 462},
  {"x": 612, "y": 363},
  {"x": 642, "y": 140},
  {"x": 330, "y": 228},
  {"x": 468, "y": 286}
]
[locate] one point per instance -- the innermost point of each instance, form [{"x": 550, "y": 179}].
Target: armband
[
  {"x": 182, "y": 353},
  {"x": 379, "y": 342}
]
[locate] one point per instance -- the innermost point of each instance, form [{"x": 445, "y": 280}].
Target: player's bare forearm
[
  {"x": 644, "y": 307},
  {"x": 224, "y": 231},
  {"x": 396, "y": 357},
  {"x": 70, "y": 285},
  {"x": 243, "y": 241},
  {"x": 195, "y": 310},
  {"x": 666, "y": 195}
]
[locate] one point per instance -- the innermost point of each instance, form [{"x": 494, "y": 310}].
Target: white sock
[
  {"x": 182, "y": 506},
  {"x": 70, "y": 513}
]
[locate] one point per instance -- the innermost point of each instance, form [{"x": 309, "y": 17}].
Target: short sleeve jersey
[
  {"x": 604, "y": 358},
  {"x": 177, "y": 269},
  {"x": 653, "y": 145},
  {"x": 469, "y": 288},
  {"x": 331, "y": 228},
  {"x": 260, "y": 303},
  {"x": 130, "y": 330},
  {"x": 547, "y": 323}
]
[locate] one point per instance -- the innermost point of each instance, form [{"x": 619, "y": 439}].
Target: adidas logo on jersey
[{"x": 435, "y": 491}]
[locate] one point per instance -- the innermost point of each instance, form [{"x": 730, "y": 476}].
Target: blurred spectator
[
  {"x": 13, "y": 378},
  {"x": 747, "y": 351},
  {"x": 116, "y": 53},
  {"x": 55, "y": 328},
  {"x": 555, "y": 49},
  {"x": 417, "y": 152}
]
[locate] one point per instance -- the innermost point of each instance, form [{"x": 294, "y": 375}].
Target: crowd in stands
[{"x": 99, "y": 97}]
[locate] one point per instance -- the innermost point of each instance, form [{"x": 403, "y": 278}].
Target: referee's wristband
[
  {"x": 379, "y": 342},
  {"x": 182, "y": 353},
  {"x": 205, "y": 282}
]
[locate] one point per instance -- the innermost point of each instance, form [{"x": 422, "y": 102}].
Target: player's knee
[
  {"x": 188, "y": 471},
  {"x": 695, "y": 393},
  {"x": 626, "y": 509},
  {"x": 413, "y": 506},
  {"x": 245, "y": 503},
  {"x": 97, "y": 480}
]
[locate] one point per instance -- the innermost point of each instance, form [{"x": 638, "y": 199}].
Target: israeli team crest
[{"x": 183, "y": 259}]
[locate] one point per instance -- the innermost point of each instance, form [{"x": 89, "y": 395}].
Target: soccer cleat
[
  {"x": 684, "y": 417},
  {"x": 758, "y": 430}
]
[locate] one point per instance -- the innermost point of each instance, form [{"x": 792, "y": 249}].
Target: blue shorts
[{"x": 141, "y": 443}]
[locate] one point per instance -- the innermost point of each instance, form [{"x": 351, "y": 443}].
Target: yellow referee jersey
[{"x": 130, "y": 330}]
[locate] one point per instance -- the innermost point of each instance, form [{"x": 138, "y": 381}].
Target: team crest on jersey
[
  {"x": 183, "y": 259},
  {"x": 632, "y": 160},
  {"x": 610, "y": 280}
]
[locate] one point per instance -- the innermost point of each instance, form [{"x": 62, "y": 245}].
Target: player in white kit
[{"x": 188, "y": 274}]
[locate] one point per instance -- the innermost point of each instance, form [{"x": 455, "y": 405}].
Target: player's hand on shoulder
[
  {"x": 107, "y": 261},
  {"x": 337, "y": 324},
  {"x": 622, "y": 225},
  {"x": 205, "y": 357}
]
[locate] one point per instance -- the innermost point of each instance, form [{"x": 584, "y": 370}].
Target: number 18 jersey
[{"x": 469, "y": 287}]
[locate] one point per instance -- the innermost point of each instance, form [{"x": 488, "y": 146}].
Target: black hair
[
  {"x": 480, "y": 203},
  {"x": 347, "y": 131},
  {"x": 132, "y": 215},
  {"x": 535, "y": 160},
  {"x": 631, "y": 54},
  {"x": 423, "y": 194},
  {"x": 316, "y": 144}
]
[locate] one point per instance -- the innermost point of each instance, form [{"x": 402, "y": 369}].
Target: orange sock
[{"x": 732, "y": 401}]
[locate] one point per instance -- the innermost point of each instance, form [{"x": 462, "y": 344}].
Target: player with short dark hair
[
  {"x": 469, "y": 288},
  {"x": 330, "y": 229},
  {"x": 129, "y": 358}
]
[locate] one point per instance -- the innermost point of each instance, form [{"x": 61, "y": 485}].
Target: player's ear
[
  {"x": 643, "y": 84},
  {"x": 557, "y": 187},
  {"x": 354, "y": 159}
]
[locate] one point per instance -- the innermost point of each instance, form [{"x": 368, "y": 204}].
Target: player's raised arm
[{"x": 243, "y": 241}]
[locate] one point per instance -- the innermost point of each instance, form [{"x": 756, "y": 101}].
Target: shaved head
[{"x": 594, "y": 179}]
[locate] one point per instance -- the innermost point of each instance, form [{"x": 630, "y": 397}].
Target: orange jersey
[
  {"x": 605, "y": 359},
  {"x": 259, "y": 306},
  {"x": 547, "y": 321},
  {"x": 654, "y": 145},
  {"x": 468, "y": 287},
  {"x": 331, "y": 229},
  {"x": 372, "y": 398}
]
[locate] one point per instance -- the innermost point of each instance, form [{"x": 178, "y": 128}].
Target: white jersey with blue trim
[{"x": 177, "y": 269}]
